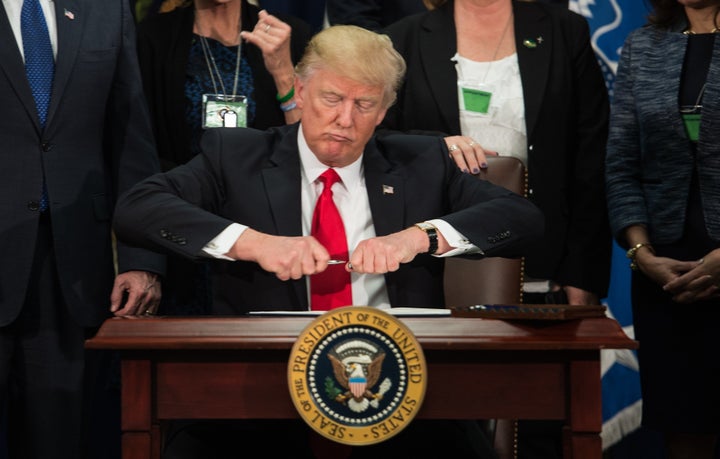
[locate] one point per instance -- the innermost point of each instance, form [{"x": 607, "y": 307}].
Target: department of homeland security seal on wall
[{"x": 357, "y": 375}]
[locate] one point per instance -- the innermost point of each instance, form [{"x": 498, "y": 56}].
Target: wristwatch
[{"x": 431, "y": 232}]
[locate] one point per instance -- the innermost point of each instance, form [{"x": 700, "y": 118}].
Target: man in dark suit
[
  {"x": 249, "y": 198},
  {"x": 68, "y": 149},
  {"x": 259, "y": 186}
]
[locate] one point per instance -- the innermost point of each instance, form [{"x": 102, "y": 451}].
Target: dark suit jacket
[
  {"x": 96, "y": 143},
  {"x": 253, "y": 177},
  {"x": 371, "y": 14},
  {"x": 164, "y": 42},
  {"x": 566, "y": 110}
]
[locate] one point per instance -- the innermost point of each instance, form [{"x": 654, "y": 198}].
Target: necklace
[
  {"x": 497, "y": 48},
  {"x": 691, "y": 32},
  {"x": 212, "y": 65},
  {"x": 697, "y": 105},
  {"x": 213, "y": 68}
]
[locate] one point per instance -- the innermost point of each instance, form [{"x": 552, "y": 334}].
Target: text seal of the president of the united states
[{"x": 357, "y": 375}]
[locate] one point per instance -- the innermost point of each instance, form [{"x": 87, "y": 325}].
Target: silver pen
[{"x": 336, "y": 262}]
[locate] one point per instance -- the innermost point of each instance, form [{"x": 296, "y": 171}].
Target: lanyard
[{"x": 213, "y": 69}]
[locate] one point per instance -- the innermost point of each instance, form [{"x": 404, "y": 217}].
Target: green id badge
[
  {"x": 692, "y": 125},
  {"x": 476, "y": 100},
  {"x": 224, "y": 111}
]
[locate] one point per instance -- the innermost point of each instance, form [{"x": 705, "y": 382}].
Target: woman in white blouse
[{"x": 519, "y": 78}]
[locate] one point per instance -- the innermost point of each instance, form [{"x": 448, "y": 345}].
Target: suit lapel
[
  {"x": 282, "y": 188},
  {"x": 533, "y": 42},
  {"x": 437, "y": 40},
  {"x": 12, "y": 65},
  {"x": 386, "y": 192},
  {"x": 69, "y": 17}
]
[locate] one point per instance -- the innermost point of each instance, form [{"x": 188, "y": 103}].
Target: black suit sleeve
[{"x": 130, "y": 140}]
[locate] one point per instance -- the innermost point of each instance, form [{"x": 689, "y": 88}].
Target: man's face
[{"x": 339, "y": 116}]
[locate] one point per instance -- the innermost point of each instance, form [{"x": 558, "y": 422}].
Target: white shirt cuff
[
  {"x": 460, "y": 243},
  {"x": 223, "y": 242}
]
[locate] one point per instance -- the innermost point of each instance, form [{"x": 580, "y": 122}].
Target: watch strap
[{"x": 431, "y": 232}]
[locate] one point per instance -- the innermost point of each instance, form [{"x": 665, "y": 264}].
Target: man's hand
[
  {"x": 384, "y": 254},
  {"x": 143, "y": 293},
  {"x": 286, "y": 257},
  {"x": 579, "y": 296}
]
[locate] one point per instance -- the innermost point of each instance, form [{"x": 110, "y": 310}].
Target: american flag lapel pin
[
  {"x": 387, "y": 189},
  {"x": 69, "y": 14}
]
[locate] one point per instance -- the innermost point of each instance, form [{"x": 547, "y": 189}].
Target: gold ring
[
  {"x": 148, "y": 313},
  {"x": 267, "y": 27},
  {"x": 453, "y": 147}
]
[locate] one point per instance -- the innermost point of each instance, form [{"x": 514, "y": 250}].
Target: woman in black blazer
[
  {"x": 195, "y": 50},
  {"x": 520, "y": 79},
  {"x": 549, "y": 108},
  {"x": 171, "y": 57}
]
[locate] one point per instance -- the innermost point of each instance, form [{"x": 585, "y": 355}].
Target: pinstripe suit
[{"x": 57, "y": 268}]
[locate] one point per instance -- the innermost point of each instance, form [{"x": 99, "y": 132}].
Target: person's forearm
[
  {"x": 636, "y": 234},
  {"x": 284, "y": 82}
]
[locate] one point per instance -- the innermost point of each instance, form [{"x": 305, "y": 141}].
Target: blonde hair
[{"x": 356, "y": 53}]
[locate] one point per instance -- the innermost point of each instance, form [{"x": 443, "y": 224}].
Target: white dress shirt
[{"x": 13, "y": 8}]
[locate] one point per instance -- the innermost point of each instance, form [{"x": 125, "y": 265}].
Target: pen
[{"x": 336, "y": 262}]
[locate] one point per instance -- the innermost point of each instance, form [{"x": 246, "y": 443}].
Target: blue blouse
[{"x": 198, "y": 81}]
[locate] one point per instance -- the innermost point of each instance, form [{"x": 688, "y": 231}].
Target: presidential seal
[{"x": 357, "y": 375}]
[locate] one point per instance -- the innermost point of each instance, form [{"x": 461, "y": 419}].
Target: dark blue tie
[{"x": 39, "y": 63}]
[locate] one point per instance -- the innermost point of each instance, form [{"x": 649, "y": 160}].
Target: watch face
[{"x": 425, "y": 226}]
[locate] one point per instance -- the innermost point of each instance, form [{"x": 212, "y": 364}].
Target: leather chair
[{"x": 491, "y": 281}]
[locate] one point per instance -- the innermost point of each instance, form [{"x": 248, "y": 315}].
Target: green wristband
[{"x": 286, "y": 97}]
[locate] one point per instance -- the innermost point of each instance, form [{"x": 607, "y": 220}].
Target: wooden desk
[{"x": 234, "y": 368}]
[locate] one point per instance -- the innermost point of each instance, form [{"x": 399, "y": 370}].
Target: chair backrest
[{"x": 489, "y": 280}]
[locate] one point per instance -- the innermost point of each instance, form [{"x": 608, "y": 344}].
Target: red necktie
[{"x": 331, "y": 288}]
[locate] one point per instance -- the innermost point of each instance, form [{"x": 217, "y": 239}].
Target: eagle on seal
[{"x": 357, "y": 374}]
